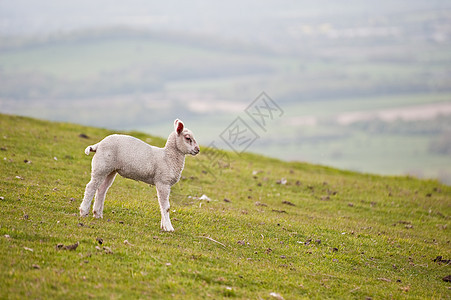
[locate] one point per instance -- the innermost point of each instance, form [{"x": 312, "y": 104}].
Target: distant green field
[
  {"x": 133, "y": 80},
  {"x": 85, "y": 64},
  {"x": 366, "y": 104},
  {"x": 77, "y": 60}
]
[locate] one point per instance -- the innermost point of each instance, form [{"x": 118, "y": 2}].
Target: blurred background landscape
[{"x": 364, "y": 85}]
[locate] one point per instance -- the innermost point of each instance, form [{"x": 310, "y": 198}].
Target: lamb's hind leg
[
  {"x": 100, "y": 195},
  {"x": 91, "y": 188}
]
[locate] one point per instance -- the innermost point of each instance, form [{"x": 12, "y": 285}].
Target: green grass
[{"x": 348, "y": 235}]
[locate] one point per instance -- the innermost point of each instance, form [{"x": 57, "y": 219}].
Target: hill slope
[{"x": 326, "y": 233}]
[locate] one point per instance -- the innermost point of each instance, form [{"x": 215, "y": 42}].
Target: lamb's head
[{"x": 185, "y": 141}]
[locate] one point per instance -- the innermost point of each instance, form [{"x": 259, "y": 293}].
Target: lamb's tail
[{"x": 92, "y": 148}]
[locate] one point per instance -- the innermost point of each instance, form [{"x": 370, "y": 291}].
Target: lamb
[{"x": 135, "y": 159}]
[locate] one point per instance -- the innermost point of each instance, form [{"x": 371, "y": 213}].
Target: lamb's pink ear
[{"x": 178, "y": 126}]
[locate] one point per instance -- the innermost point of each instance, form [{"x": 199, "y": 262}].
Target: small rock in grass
[
  {"x": 99, "y": 240},
  {"x": 68, "y": 247},
  {"x": 288, "y": 203},
  {"x": 205, "y": 197},
  {"x": 34, "y": 266},
  {"x": 447, "y": 278},
  {"x": 128, "y": 243},
  {"x": 227, "y": 200},
  {"x": 275, "y": 295},
  {"x": 282, "y": 181},
  {"x": 108, "y": 250}
]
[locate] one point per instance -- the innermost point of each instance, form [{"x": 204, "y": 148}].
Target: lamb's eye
[{"x": 188, "y": 138}]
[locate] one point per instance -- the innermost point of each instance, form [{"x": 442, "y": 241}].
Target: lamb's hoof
[
  {"x": 97, "y": 215},
  {"x": 84, "y": 213},
  {"x": 167, "y": 227}
]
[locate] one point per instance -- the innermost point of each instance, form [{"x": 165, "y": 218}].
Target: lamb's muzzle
[
  {"x": 134, "y": 159},
  {"x": 196, "y": 150}
]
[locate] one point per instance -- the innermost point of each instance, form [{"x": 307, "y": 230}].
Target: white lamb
[{"x": 134, "y": 159}]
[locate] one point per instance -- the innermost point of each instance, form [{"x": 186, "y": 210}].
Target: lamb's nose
[{"x": 197, "y": 149}]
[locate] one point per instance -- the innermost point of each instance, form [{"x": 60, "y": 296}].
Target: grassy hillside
[{"x": 326, "y": 233}]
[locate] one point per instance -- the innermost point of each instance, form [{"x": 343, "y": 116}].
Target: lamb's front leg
[{"x": 163, "y": 192}]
